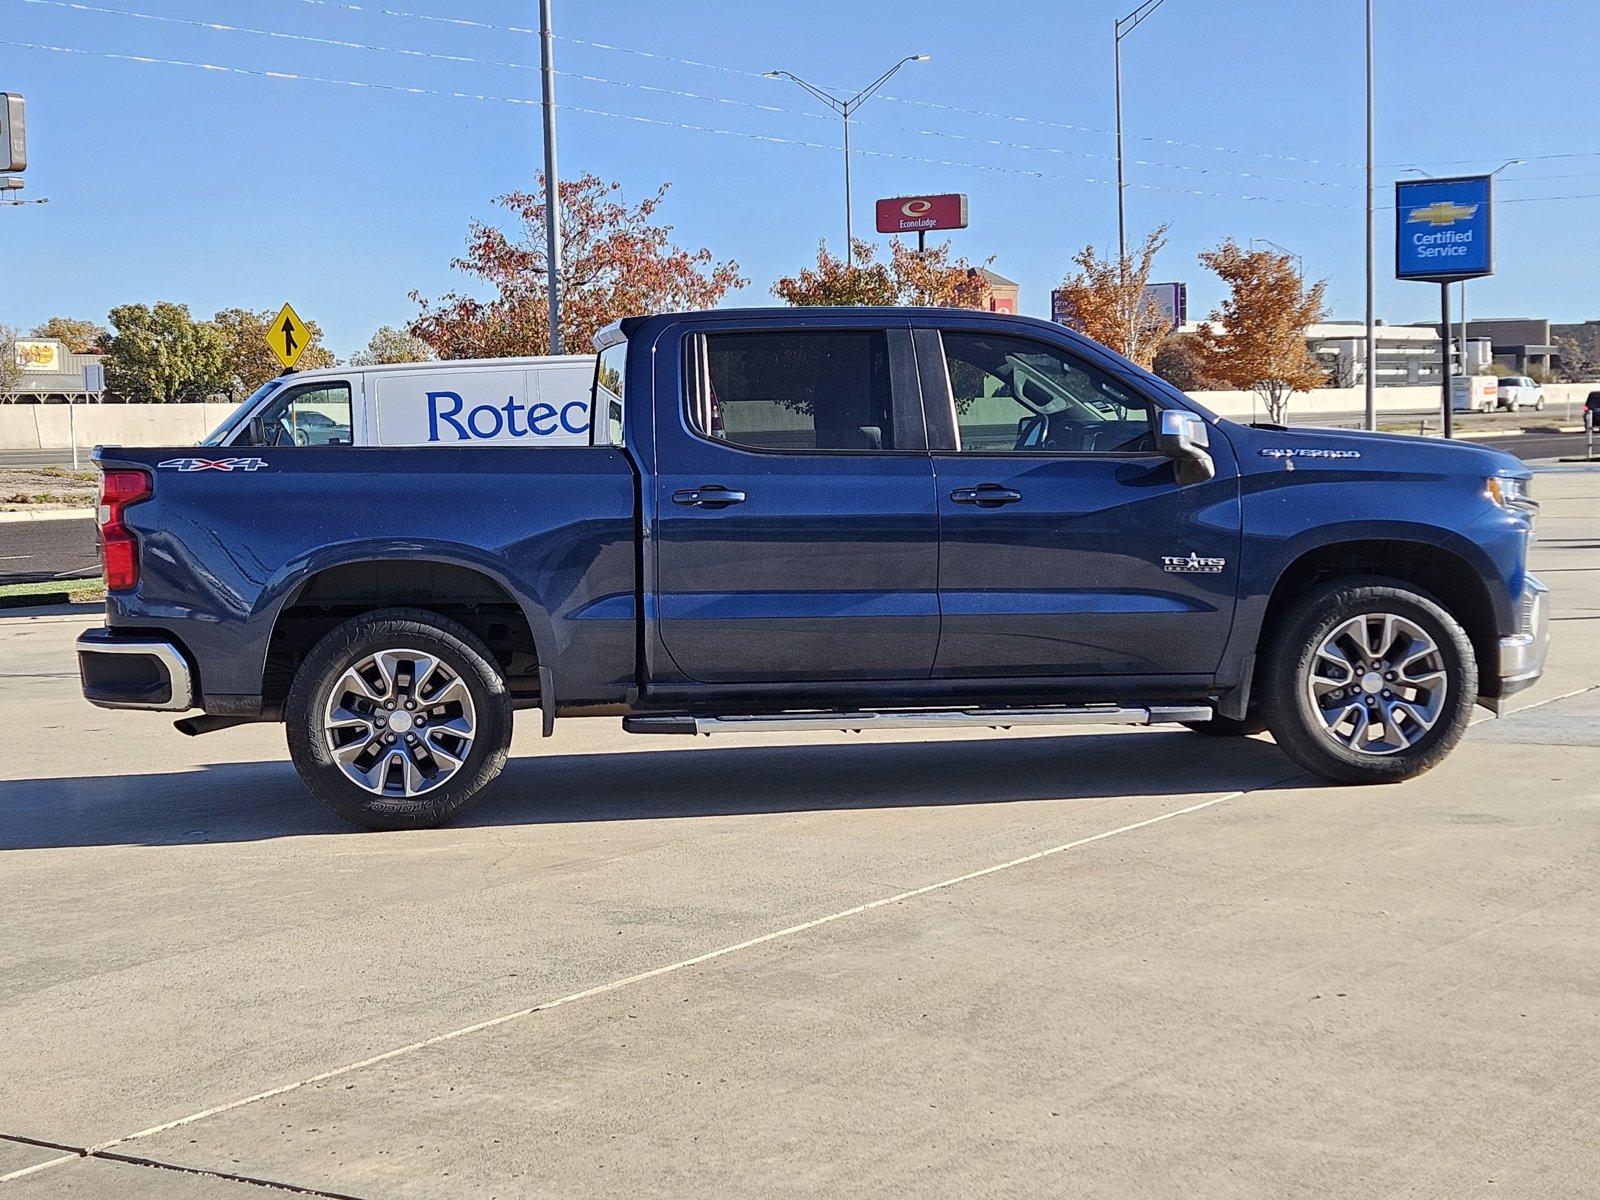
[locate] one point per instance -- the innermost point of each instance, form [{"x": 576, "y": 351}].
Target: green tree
[
  {"x": 391, "y": 345},
  {"x": 80, "y": 337},
  {"x": 163, "y": 355},
  {"x": 249, "y": 360}
]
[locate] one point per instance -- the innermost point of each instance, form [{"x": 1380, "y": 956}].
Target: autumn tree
[
  {"x": 1256, "y": 339},
  {"x": 249, "y": 360},
  {"x": 615, "y": 262},
  {"x": 80, "y": 337},
  {"x": 1107, "y": 300},
  {"x": 10, "y": 370},
  {"x": 391, "y": 345},
  {"x": 928, "y": 277},
  {"x": 1179, "y": 363},
  {"x": 162, "y": 354}
]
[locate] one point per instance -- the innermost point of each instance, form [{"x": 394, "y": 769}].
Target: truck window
[
  {"x": 1016, "y": 396},
  {"x": 806, "y": 390},
  {"x": 317, "y": 414},
  {"x": 606, "y": 404}
]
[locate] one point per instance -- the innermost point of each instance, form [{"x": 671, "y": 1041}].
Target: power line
[
  {"x": 296, "y": 76},
  {"x": 218, "y": 26}
]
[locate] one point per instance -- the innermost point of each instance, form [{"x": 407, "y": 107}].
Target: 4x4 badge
[
  {"x": 212, "y": 464},
  {"x": 1193, "y": 564}
]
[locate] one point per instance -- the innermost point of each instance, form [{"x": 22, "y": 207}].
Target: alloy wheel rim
[
  {"x": 400, "y": 723},
  {"x": 1377, "y": 683}
]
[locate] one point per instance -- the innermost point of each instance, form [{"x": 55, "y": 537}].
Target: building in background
[
  {"x": 49, "y": 373},
  {"x": 1519, "y": 345},
  {"x": 1407, "y": 355},
  {"x": 1002, "y": 292}
]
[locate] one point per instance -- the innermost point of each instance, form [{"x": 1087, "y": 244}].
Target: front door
[
  {"x": 1069, "y": 548},
  {"x": 796, "y": 532}
]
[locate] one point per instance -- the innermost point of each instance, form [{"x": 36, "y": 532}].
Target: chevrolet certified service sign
[
  {"x": 484, "y": 406},
  {"x": 1443, "y": 228}
]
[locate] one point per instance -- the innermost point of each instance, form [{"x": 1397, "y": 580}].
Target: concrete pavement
[{"x": 1134, "y": 963}]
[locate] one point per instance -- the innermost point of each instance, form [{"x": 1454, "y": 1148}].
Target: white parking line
[{"x": 653, "y": 973}]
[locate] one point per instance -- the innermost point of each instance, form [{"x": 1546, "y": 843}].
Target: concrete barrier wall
[{"x": 45, "y": 426}]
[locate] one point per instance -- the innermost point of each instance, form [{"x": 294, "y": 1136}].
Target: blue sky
[{"x": 219, "y": 189}]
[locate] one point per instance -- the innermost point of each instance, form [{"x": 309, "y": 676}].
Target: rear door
[
  {"x": 1069, "y": 548},
  {"x": 796, "y": 532}
]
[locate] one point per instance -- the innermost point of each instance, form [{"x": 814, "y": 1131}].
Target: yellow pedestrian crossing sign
[{"x": 288, "y": 335}]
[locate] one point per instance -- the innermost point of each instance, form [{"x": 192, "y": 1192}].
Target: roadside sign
[
  {"x": 288, "y": 335},
  {"x": 1171, "y": 299},
  {"x": 13, "y": 133},
  {"x": 94, "y": 379},
  {"x": 1443, "y": 228},
  {"x": 918, "y": 214},
  {"x": 1060, "y": 308}
]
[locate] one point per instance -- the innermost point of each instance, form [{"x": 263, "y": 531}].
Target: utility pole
[
  {"x": 1122, "y": 28},
  {"x": 552, "y": 190},
  {"x": 1371, "y": 373}
]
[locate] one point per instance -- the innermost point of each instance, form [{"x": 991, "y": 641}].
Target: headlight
[{"x": 1509, "y": 493}]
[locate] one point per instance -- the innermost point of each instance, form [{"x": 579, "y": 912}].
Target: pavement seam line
[
  {"x": 641, "y": 976},
  {"x": 76, "y": 1154}
]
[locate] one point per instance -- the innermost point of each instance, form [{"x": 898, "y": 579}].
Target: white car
[{"x": 1518, "y": 391}]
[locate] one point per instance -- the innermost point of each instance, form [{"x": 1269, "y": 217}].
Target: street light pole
[
  {"x": 1123, "y": 27},
  {"x": 846, "y": 108},
  {"x": 1369, "y": 382},
  {"x": 552, "y": 191}
]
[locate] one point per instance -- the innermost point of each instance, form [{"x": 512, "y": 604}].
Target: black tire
[
  {"x": 463, "y": 656},
  {"x": 1230, "y": 727},
  {"x": 1291, "y": 715}
]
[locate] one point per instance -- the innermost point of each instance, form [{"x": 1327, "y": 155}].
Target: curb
[{"x": 48, "y": 514}]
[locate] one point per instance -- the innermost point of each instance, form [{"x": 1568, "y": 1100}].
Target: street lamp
[
  {"x": 845, "y": 108},
  {"x": 1125, "y": 26},
  {"x": 1510, "y": 162}
]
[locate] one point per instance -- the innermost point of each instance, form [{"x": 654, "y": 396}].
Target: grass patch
[{"x": 83, "y": 590}]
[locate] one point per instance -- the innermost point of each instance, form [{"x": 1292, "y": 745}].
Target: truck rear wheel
[
  {"x": 398, "y": 719},
  {"x": 1368, "y": 681}
]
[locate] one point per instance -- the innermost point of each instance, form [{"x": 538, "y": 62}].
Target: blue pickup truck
[{"x": 865, "y": 518}]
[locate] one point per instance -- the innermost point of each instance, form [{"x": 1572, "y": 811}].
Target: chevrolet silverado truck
[{"x": 820, "y": 519}]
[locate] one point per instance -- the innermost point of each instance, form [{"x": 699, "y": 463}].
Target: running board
[{"x": 966, "y": 718}]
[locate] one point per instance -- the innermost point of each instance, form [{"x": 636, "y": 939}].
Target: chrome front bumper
[
  {"x": 1522, "y": 655},
  {"x": 119, "y": 672}
]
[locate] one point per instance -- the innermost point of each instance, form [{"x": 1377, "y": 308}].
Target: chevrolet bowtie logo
[{"x": 1443, "y": 212}]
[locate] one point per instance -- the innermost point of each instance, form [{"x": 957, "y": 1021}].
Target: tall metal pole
[
  {"x": 1372, "y": 338},
  {"x": 1464, "y": 370},
  {"x": 1444, "y": 347},
  {"x": 552, "y": 191},
  {"x": 1122, "y": 216},
  {"x": 849, "y": 229}
]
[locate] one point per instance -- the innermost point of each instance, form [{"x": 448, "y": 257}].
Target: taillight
[{"x": 119, "y": 548}]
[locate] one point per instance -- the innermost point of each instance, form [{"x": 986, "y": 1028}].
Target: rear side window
[
  {"x": 317, "y": 414},
  {"x": 798, "y": 390},
  {"x": 607, "y": 402}
]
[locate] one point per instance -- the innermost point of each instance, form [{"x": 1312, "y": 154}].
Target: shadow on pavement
[{"x": 232, "y": 802}]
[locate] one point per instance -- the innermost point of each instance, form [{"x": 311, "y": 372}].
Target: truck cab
[{"x": 825, "y": 518}]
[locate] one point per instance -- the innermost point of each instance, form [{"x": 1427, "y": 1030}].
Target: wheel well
[
  {"x": 1445, "y": 576},
  {"x": 469, "y": 597}
]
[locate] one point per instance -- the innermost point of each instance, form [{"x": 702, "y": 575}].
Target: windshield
[{"x": 220, "y": 434}]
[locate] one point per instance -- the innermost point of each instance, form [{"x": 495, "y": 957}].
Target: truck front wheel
[
  {"x": 1368, "y": 681},
  {"x": 398, "y": 719}
]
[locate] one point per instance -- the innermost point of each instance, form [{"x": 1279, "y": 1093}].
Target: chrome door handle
[
  {"x": 712, "y": 495},
  {"x": 987, "y": 495}
]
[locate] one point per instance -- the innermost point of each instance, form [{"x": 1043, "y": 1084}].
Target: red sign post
[{"x": 918, "y": 214}]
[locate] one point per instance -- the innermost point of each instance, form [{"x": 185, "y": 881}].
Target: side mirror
[
  {"x": 1031, "y": 432},
  {"x": 1184, "y": 438},
  {"x": 258, "y": 432}
]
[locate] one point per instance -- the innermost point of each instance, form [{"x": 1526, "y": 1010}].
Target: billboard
[
  {"x": 38, "y": 355},
  {"x": 1443, "y": 228},
  {"x": 1171, "y": 300},
  {"x": 914, "y": 214}
]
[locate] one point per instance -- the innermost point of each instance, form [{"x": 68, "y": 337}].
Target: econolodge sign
[
  {"x": 1444, "y": 228},
  {"x": 916, "y": 214}
]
